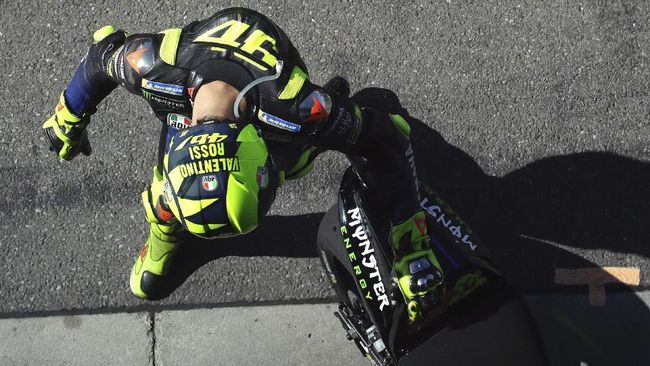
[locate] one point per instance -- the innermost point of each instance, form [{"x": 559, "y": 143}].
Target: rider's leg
[{"x": 152, "y": 264}]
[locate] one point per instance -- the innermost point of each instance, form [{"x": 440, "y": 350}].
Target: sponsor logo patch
[
  {"x": 178, "y": 121},
  {"x": 209, "y": 182},
  {"x": 278, "y": 122},
  {"x": 455, "y": 228},
  {"x": 172, "y": 89},
  {"x": 167, "y": 192},
  {"x": 262, "y": 177},
  {"x": 171, "y": 103}
]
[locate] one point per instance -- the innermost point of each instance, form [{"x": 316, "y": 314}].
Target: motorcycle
[{"x": 477, "y": 319}]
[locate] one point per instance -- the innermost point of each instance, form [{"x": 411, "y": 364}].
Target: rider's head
[
  {"x": 219, "y": 176},
  {"x": 214, "y": 101}
]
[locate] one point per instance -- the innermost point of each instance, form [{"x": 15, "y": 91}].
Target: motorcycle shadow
[
  {"x": 560, "y": 212},
  {"x": 558, "y": 221}
]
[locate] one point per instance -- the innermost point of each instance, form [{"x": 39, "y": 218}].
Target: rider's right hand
[
  {"x": 419, "y": 280},
  {"x": 67, "y": 133},
  {"x": 416, "y": 270}
]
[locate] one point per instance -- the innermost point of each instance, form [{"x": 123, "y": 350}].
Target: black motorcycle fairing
[{"x": 358, "y": 233}]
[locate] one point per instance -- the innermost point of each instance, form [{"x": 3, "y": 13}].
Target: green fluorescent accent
[
  {"x": 148, "y": 210},
  {"x": 242, "y": 204},
  {"x": 169, "y": 45},
  {"x": 296, "y": 81},
  {"x": 302, "y": 172},
  {"x": 201, "y": 229},
  {"x": 254, "y": 43},
  {"x": 281, "y": 178},
  {"x": 249, "y": 134},
  {"x": 64, "y": 114},
  {"x": 217, "y": 49},
  {"x": 192, "y": 207},
  {"x": 357, "y": 111},
  {"x": 242, "y": 195},
  {"x": 102, "y": 33},
  {"x": 303, "y": 166},
  {"x": 401, "y": 123},
  {"x": 162, "y": 240},
  {"x": 263, "y": 68},
  {"x": 175, "y": 178},
  {"x": 168, "y": 229}
]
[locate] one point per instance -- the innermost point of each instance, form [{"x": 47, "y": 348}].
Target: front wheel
[{"x": 353, "y": 312}]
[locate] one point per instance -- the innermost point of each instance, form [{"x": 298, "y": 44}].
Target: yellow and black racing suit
[{"x": 238, "y": 46}]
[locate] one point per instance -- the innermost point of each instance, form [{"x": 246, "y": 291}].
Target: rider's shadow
[
  {"x": 276, "y": 236},
  {"x": 556, "y": 213}
]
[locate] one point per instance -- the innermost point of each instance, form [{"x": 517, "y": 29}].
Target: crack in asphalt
[{"x": 151, "y": 332}]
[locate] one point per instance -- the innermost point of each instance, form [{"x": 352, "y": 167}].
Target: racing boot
[
  {"x": 152, "y": 264},
  {"x": 416, "y": 269}
]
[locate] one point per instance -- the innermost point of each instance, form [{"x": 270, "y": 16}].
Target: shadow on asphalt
[
  {"x": 590, "y": 200},
  {"x": 276, "y": 236}
]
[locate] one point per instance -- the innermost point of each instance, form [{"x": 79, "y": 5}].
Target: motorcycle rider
[{"x": 193, "y": 78}]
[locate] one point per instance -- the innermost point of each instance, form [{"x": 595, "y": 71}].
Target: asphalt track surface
[{"x": 532, "y": 121}]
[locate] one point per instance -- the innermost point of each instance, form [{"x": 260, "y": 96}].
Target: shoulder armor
[{"x": 139, "y": 56}]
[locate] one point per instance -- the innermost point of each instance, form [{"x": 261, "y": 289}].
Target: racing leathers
[{"x": 297, "y": 118}]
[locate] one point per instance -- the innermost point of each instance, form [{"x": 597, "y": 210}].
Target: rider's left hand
[{"x": 66, "y": 132}]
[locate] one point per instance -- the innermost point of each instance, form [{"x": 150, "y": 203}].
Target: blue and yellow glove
[
  {"x": 416, "y": 269},
  {"x": 67, "y": 132}
]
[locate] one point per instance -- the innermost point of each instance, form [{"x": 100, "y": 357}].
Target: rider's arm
[
  {"x": 337, "y": 122},
  {"x": 91, "y": 83},
  {"x": 94, "y": 78}
]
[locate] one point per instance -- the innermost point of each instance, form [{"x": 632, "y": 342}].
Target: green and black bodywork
[{"x": 357, "y": 257}]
